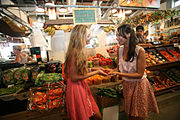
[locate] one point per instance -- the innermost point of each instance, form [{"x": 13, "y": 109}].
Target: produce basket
[
  {"x": 7, "y": 94},
  {"x": 172, "y": 51},
  {"x": 165, "y": 54},
  {"x": 47, "y": 97},
  {"x": 8, "y": 97},
  {"x": 107, "y": 97},
  {"x": 105, "y": 101},
  {"x": 21, "y": 95}
]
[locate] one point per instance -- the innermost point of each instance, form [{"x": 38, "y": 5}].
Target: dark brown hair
[{"x": 132, "y": 40}]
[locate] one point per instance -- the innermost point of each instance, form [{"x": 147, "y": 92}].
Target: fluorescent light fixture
[
  {"x": 39, "y": 9},
  {"x": 115, "y": 14},
  {"x": 128, "y": 1},
  {"x": 114, "y": 10},
  {"x": 49, "y": 3},
  {"x": 128, "y": 11},
  {"x": 177, "y": 3},
  {"x": 63, "y": 10}
]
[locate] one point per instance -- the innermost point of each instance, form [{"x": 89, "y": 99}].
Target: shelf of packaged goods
[{"x": 164, "y": 65}]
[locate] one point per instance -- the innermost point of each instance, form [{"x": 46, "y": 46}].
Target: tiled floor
[{"x": 169, "y": 107}]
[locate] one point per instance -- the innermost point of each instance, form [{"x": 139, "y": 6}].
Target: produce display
[
  {"x": 173, "y": 74},
  {"x": 158, "y": 84},
  {"x": 112, "y": 51},
  {"x": 98, "y": 79},
  {"x": 176, "y": 54},
  {"x": 110, "y": 92},
  {"x": 53, "y": 67},
  {"x": 109, "y": 28},
  {"x": 48, "y": 78},
  {"x": 18, "y": 76},
  {"x": 46, "y": 98},
  {"x": 100, "y": 60},
  {"x": 25, "y": 74},
  {"x": 168, "y": 83},
  {"x": 50, "y": 30},
  {"x": 10, "y": 90},
  {"x": 8, "y": 77},
  {"x": 167, "y": 56},
  {"x": 153, "y": 58}
]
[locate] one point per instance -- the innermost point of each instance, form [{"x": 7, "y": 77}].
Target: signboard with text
[
  {"x": 84, "y": 16},
  {"x": 140, "y": 3}
]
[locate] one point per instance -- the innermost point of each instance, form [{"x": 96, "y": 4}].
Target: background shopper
[
  {"x": 138, "y": 93},
  {"x": 140, "y": 34},
  {"x": 21, "y": 57}
]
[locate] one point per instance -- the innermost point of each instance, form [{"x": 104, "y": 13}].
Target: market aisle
[{"x": 169, "y": 106}]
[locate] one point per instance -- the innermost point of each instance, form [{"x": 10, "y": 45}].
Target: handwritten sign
[{"x": 84, "y": 16}]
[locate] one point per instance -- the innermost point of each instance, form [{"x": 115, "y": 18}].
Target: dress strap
[
  {"x": 138, "y": 48},
  {"x": 121, "y": 51}
]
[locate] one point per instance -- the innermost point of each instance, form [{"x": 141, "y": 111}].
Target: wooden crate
[{"x": 104, "y": 101}]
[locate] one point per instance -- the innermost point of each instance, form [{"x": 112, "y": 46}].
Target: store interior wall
[{"x": 60, "y": 42}]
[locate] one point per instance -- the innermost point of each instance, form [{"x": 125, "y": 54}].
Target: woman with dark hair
[{"x": 138, "y": 93}]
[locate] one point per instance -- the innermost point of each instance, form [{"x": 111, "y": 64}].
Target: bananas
[
  {"x": 108, "y": 28},
  {"x": 14, "y": 26},
  {"x": 50, "y": 30},
  {"x": 47, "y": 29},
  {"x": 63, "y": 27}
]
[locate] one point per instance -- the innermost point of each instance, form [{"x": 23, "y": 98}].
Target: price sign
[{"x": 84, "y": 16}]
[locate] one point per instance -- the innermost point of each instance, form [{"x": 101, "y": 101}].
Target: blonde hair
[
  {"x": 17, "y": 47},
  {"x": 77, "y": 45}
]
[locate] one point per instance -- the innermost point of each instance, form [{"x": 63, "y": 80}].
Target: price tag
[
  {"x": 176, "y": 45},
  {"x": 10, "y": 85}
]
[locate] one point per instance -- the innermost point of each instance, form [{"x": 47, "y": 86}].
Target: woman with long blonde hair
[{"x": 79, "y": 101}]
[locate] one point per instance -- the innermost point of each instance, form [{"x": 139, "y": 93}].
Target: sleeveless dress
[
  {"x": 80, "y": 103},
  {"x": 138, "y": 93}
]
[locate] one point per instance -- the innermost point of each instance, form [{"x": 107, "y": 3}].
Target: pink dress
[
  {"x": 80, "y": 103},
  {"x": 138, "y": 93}
]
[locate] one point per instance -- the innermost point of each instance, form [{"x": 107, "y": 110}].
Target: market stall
[{"x": 38, "y": 88}]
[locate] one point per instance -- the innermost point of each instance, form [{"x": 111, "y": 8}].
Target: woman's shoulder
[{"x": 139, "y": 49}]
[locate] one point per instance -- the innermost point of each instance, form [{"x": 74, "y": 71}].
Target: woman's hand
[
  {"x": 100, "y": 72},
  {"x": 113, "y": 73}
]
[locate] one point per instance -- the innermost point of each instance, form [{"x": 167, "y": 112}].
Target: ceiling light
[
  {"x": 114, "y": 10},
  {"x": 63, "y": 10},
  {"x": 128, "y": 1},
  {"x": 38, "y": 9},
  {"x": 128, "y": 11},
  {"x": 115, "y": 14},
  {"x": 49, "y": 3}
]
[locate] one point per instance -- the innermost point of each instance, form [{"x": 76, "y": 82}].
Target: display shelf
[
  {"x": 110, "y": 84},
  {"x": 167, "y": 90},
  {"x": 164, "y": 65},
  {"x": 173, "y": 27},
  {"x": 8, "y": 97}
]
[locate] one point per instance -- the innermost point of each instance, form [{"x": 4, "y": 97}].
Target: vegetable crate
[
  {"x": 47, "y": 97},
  {"x": 105, "y": 101}
]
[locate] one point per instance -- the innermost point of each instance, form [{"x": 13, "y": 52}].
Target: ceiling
[{"x": 105, "y": 12}]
